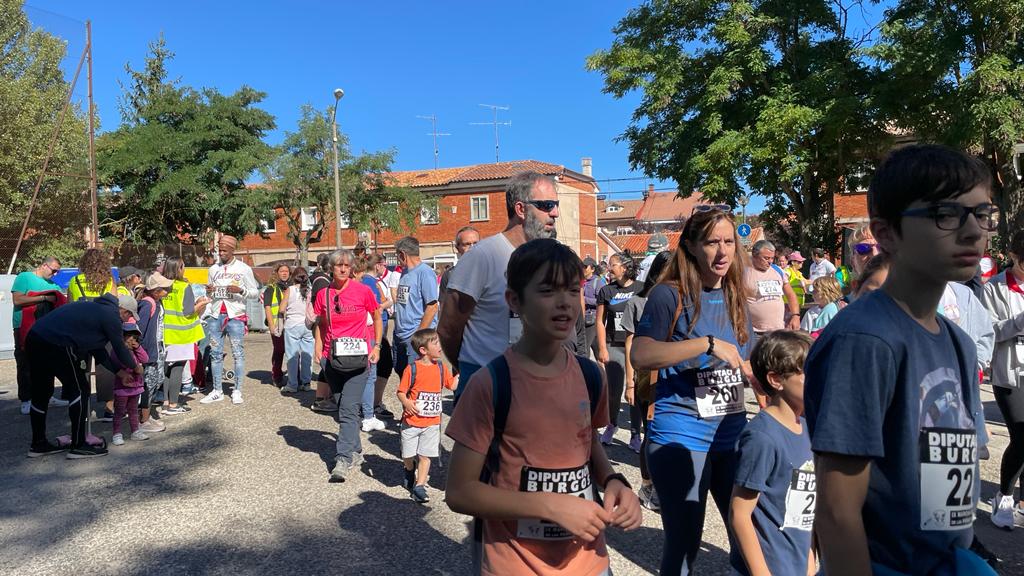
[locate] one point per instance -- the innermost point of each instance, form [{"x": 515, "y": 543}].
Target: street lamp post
[
  {"x": 338, "y": 93},
  {"x": 743, "y": 200}
]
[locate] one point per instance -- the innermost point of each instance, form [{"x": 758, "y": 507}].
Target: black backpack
[{"x": 501, "y": 398}]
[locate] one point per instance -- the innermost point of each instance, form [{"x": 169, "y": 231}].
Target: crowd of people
[{"x": 863, "y": 457}]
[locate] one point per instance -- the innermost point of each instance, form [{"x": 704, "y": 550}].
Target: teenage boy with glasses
[{"x": 892, "y": 392}]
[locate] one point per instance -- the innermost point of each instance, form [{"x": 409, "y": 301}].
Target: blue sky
[{"x": 395, "y": 60}]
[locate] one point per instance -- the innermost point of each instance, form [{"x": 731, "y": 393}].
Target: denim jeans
[
  {"x": 216, "y": 329},
  {"x": 298, "y": 349},
  {"x": 371, "y": 385},
  {"x": 402, "y": 349}
]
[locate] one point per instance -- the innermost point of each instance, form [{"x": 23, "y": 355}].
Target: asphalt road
[{"x": 243, "y": 490}]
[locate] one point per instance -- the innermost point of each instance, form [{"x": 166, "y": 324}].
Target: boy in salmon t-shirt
[
  {"x": 526, "y": 461},
  {"x": 420, "y": 395}
]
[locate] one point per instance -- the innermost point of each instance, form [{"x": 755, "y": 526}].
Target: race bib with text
[
  {"x": 571, "y": 481},
  {"x": 800, "y": 498},
  {"x": 769, "y": 288},
  {"x": 403, "y": 295},
  {"x": 948, "y": 468},
  {"x": 719, "y": 391},
  {"x": 428, "y": 404},
  {"x": 349, "y": 347}
]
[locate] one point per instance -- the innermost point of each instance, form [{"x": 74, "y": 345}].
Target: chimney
[
  {"x": 650, "y": 190},
  {"x": 588, "y": 167}
]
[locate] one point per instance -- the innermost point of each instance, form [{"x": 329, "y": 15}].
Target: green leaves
[{"x": 179, "y": 163}]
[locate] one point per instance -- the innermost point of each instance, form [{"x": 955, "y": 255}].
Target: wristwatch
[{"x": 711, "y": 345}]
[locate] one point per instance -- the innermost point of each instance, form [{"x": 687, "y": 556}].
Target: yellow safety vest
[
  {"x": 275, "y": 301},
  {"x": 78, "y": 289},
  {"x": 124, "y": 291},
  {"x": 179, "y": 328},
  {"x": 796, "y": 282}
]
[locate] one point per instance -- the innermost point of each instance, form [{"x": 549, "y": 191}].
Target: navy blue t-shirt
[
  {"x": 880, "y": 386},
  {"x": 779, "y": 464},
  {"x": 698, "y": 402}
]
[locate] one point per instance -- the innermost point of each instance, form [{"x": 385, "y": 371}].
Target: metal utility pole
[
  {"x": 494, "y": 123},
  {"x": 338, "y": 93},
  {"x": 435, "y": 134},
  {"x": 95, "y": 236}
]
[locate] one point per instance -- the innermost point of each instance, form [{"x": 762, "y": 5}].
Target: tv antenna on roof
[
  {"x": 435, "y": 134},
  {"x": 495, "y": 123}
]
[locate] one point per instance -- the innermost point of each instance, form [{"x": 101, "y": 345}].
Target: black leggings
[
  {"x": 174, "y": 382},
  {"x": 1011, "y": 405},
  {"x": 47, "y": 362},
  {"x": 615, "y": 369}
]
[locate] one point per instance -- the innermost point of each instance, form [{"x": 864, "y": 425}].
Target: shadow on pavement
[
  {"x": 317, "y": 442},
  {"x": 402, "y": 540}
]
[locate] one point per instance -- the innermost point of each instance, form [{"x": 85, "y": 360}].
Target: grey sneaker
[
  {"x": 327, "y": 406},
  {"x": 419, "y": 494},
  {"x": 152, "y": 425},
  {"x": 649, "y": 498},
  {"x": 288, "y": 390},
  {"x": 341, "y": 468}
]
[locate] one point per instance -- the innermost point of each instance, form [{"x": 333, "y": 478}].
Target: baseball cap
[
  {"x": 657, "y": 242},
  {"x": 127, "y": 271},
  {"x": 795, "y": 256},
  {"x": 128, "y": 303},
  {"x": 157, "y": 280}
]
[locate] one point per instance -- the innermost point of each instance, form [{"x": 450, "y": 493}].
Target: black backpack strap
[
  {"x": 501, "y": 400},
  {"x": 592, "y": 376}
]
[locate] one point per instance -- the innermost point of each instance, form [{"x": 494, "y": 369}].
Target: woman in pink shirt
[{"x": 349, "y": 347}]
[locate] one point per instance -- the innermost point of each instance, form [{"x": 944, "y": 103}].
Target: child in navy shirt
[{"x": 772, "y": 506}]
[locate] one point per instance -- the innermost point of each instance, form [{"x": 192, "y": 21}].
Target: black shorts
[{"x": 386, "y": 363}]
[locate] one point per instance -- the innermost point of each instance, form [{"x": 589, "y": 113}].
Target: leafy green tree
[
  {"x": 179, "y": 162},
  {"x": 33, "y": 91},
  {"x": 955, "y": 74},
  {"x": 748, "y": 96},
  {"x": 302, "y": 176}
]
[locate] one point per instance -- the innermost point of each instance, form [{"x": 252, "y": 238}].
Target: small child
[
  {"x": 828, "y": 300},
  {"x": 420, "y": 395},
  {"x": 128, "y": 386},
  {"x": 527, "y": 463},
  {"x": 772, "y": 505}
]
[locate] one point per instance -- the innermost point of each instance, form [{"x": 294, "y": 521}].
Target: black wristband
[
  {"x": 619, "y": 477},
  {"x": 711, "y": 345}
]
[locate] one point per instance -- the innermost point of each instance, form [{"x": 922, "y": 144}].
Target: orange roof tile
[
  {"x": 495, "y": 171},
  {"x": 630, "y": 208},
  {"x": 637, "y": 243},
  {"x": 668, "y": 206}
]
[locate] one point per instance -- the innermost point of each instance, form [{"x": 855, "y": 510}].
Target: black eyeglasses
[
  {"x": 953, "y": 216},
  {"x": 543, "y": 205}
]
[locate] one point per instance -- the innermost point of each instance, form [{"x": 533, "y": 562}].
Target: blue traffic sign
[{"x": 743, "y": 230}]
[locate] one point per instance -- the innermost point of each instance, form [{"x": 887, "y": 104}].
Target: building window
[
  {"x": 346, "y": 220},
  {"x": 614, "y": 208},
  {"x": 308, "y": 219},
  {"x": 478, "y": 209},
  {"x": 430, "y": 213},
  {"x": 268, "y": 225},
  {"x": 620, "y": 230}
]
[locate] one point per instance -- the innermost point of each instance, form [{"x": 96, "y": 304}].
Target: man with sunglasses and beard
[{"x": 476, "y": 324}]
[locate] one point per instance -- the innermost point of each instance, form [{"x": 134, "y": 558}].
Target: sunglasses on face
[
  {"x": 543, "y": 205},
  {"x": 952, "y": 216},
  {"x": 865, "y": 248}
]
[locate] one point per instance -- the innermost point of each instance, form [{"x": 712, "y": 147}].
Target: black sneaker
[
  {"x": 44, "y": 449},
  {"x": 86, "y": 451},
  {"x": 108, "y": 416},
  {"x": 419, "y": 494},
  {"x": 410, "y": 479},
  {"x": 383, "y": 413},
  {"x": 649, "y": 498}
]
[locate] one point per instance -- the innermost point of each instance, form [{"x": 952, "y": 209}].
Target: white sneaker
[
  {"x": 214, "y": 396},
  {"x": 139, "y": 435},
  {"x": 26, "y": 407},
  {"x": 54, "y": 401},
  {"x": 152, "y": 425},
  {"x": 117, "y": 440},
  {"x": 1002, "y": 511},
  {"x": 236, "y": 397},
  {"x": 371, "y": 424}
]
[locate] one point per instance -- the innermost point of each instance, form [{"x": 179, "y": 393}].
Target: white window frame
[
  {"x": 308, "y": 218},
  {"x": 473, "y": 216},
  {"x": 268, "y": 226},
  {"x": 614, "y": 208},
  {"x": 430, "y": 213},
  {"x": 346, "y": 220}
]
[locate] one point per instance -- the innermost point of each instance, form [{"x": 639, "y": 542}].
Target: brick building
[
  {"x": 655, "y": 212},
  {"x": 464, "y": 196}
]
